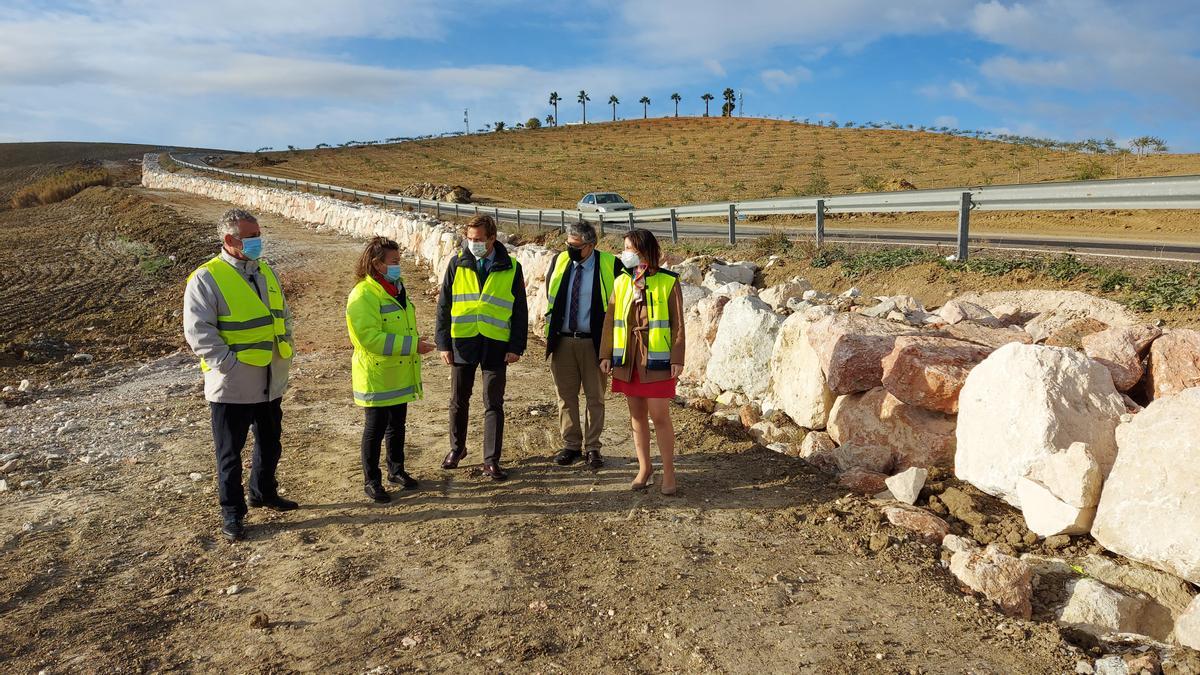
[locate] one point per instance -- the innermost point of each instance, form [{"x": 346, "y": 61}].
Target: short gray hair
[
  {"x": 228, "y": 223},
  {"x": 582, "y": 229}
]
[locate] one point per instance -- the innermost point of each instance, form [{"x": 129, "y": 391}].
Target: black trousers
[
  {"x": 231, "y": 422},
  {"x": 380, "y": 423},
  {"x": 462, "y": 381}
]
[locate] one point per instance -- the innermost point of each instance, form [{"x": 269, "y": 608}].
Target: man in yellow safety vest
[
  {"x": 236, "y": 320},
  {"x": 482, "y": 323}
]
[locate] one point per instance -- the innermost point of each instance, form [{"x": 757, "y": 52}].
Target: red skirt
[{"x": 660, "y": 389}]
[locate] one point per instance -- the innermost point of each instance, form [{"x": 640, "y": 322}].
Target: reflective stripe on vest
[
  {"x": 605, "y": 263},
  {"x": 487, "y": 311},
  {"x": 658, "y": 334},
  {"x": 386, "y": 369},
  {"x": 252, "y": 330}
]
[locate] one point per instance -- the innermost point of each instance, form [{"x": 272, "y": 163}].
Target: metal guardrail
[{"x": 1172, "y": 192}]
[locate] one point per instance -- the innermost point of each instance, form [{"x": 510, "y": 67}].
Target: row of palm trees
[{"x": 583, "y": 98}]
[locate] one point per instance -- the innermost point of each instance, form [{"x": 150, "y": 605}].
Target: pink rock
[
  {"x": 863, "y": 482},
  {"x": 984, "y": 335},
  {"x": 850, "y": 348},
  {"x": 1174, "y": 363},
  {"x": 817, "y": 449},
  {"x": 1005, "y": 580},
  {"x": 1121, "y": 350},
  {"x": 916, "y": 436},
  {"x": 1072, "y": 334},
  {"x": 927, "y": 526},
  {"x": 929, "y": 371}
]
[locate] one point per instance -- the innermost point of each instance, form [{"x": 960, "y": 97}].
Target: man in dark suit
[{"x": 578, "y": 290}]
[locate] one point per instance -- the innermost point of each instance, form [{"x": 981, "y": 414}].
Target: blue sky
[{"x": 239, "y": 74}]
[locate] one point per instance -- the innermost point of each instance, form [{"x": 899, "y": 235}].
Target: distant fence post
[
  {"x": 964, "y": 225},
  {"x": 631, "y": 221},
  {"x": 562, "y": 221},
  {"x": 437, "y": 212},
  {"x": 820, "y": 222},
  {"x": 674, "y": 228},
  {"x": 418, "y": 204},
  {"x": 601, "y": 224},
  {"x": 497, "y": 214},
  {"x": 518, "y": 217},
  {"x": 539, "y": 219},
  {"x": 732, "y": 226},
  {"x": 455, "y": 209}
]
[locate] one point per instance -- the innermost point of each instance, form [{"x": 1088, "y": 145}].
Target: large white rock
[
  {"x": 797, "y": 383},
  {"x": 1099, "y": 610},
  {"x": 700, "y": 322},
  {"x": 1150, "y": 507},
  {"x": 689, "y": 273},
  {"x": 1187, "y": 627},
  {"x": 741, "y": 352},
  {"x": 956, "y": 311},
  {"x": 732, "y": 289},
  {"x": 1066, "y": 306},
  {"x": 723, "y": 273},
  {"x": 1047, "y": 515},
  {"x": 1073, "y": 475},
  {"x": 692, "y": 295},
  {"x": 778, "y": 296},
  {"x": 1025, "y": 402},
  {"x": 906, "y": 485}
]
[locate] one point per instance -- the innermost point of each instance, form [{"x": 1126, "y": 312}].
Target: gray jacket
[{"x": 229, "y": 380}]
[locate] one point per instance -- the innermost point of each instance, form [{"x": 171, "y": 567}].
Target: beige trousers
[{"x": 574, "y": 364}]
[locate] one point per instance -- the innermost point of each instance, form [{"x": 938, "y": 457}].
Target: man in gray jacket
[{"x": 236, "y": 320}]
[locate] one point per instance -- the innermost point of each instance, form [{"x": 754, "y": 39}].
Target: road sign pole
[
  {"x": 820, "y": 222},
  {"x": 964, "y": 225}
]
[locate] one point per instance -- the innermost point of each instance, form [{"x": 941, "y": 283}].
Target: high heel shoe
[
  {"x": 668, "y": 492},
  {"x": 642, "y": 485}
]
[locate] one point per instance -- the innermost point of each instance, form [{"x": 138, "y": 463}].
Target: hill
[{"x": 669, "y": 161}]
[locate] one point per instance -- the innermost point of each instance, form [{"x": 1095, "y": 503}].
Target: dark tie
[
  {"x": 573, "y": 321},
  {"x": 482, "y": 270}
]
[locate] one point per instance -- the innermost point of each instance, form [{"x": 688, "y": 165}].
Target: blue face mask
[
  {"x": 392, "y": 274},
  {"x": 252, "y": 247}
]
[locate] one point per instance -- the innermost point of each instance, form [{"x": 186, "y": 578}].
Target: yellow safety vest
[
  {"x": 658, "y": 338},
  {"x": 385, "y": 369},
  {"x": 605, "y": 263},
  {"x": 252, "y": 330},
  {"x": 487, "y": 311}
]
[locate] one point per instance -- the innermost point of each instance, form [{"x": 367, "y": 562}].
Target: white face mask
[
  {"x": 630, "y": 259},
  {"x": 477, "y": 248}
]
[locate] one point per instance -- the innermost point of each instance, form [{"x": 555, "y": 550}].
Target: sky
[{"x": 241, "y": 74}]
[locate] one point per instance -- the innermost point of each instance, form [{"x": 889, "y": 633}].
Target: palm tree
[
  {"x": 645, "y": 101},
  {"x": 613, "y": 101},
  {"x": 730, "y": 102},
  {"x": 554, "y": 99},
  {"x": 551, "y": 121},
  {"x": 583, "y": 99},
  {"x": 677, "y": 98},
  {"x": 706, "y": 98},
  {"x": 498, "y": 126}
]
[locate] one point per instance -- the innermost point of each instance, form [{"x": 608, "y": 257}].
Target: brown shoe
[
  {"x": 453, "y": 458},
  {"x": 642, "y": 485},
  {"x": 493, "y": 471}
]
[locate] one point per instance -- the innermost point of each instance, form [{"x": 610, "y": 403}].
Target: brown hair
[
  {"x": 645, "y": 243},
  {"x": 485, "y": 221},
  {"x": 376, "y": 249}
]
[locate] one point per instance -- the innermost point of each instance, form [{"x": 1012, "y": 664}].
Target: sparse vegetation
[{"x": 60, "y": 186}]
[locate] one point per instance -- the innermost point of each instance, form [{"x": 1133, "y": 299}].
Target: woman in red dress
[{"x": 642, "y": 348}]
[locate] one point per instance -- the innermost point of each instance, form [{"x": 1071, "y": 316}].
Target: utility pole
[
  {"x": 740, "y": 99},
  {"x": 467, "y": 121}
]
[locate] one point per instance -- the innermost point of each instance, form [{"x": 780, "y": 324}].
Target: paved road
[{"x": 1114, "y": 248}]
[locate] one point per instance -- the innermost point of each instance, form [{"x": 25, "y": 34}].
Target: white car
[{"x": 603, "y": 202}]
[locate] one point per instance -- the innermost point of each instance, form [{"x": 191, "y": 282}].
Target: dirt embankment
[{"x": 114, "y": 562}]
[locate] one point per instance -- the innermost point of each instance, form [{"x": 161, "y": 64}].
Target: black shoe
[
  {"x": 275, "y": 503},
  {"x": 376, "y": 492},
  {"x": 453, "y": 458},
  {"x": 493, "y": 471},
  {"x": 594, "y": 460},
  {"x": 402, "y": 478},
  {"x": 567, "y": 457},
  {"x": 233, "y": 530}
]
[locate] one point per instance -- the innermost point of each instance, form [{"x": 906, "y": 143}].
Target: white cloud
[{"x": 776, "y": 79}]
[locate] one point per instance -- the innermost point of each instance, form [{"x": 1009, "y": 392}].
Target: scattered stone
[
  {"x": 879, "y": 541},
  {"x": 1167, "y": 596},
  {"x": 750, "y": 414},
  {"x": 930, "y": 528},
  {"x": 1005, "y": 580},
  {"x": 260, "y": 620},
  {"x": 1097, "y": 609},
  {"x": 1122, "y": 351},
  {"x": 929, "y": 372},
  {"x": 852, "y": 292},
  {"x": 1153, "y": 483},
  {"x": 957, "y": 311},
  {"x": 1174, "y": 363},
  {"x": 1071, "y": 335},
  {"x": 983, "y": 335},
  {"x": 25, "y": 385},
  {"x": 906, "y": 485},
  {"x": 916, "y": 436},
  {"x": 1110, "y": 665},
  {"x": 817, "y": 449},
  {"x": 780, "y": 295},
  {"x": 196, "y": 476},
  {"x": 70, "y": 426},
  {"x": 815, "y": 296},
  {"x": 1025, "y": 402},
  {"x": 741, "y": 352},
  {"x": 796, "y": 382},
  {"x": 954, "y": 543},
  {"x": 851, "y": 347},
  {"x": 82, "y": 358},
  {"x": 862, "y": 481},
  {"x": 3, "y": 485},
  {"x": 739, "y": 272},
  {"x": 233, "y": 590}
]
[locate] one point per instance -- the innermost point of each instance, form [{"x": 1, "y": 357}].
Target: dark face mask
[{"x": 575, "y": 253}]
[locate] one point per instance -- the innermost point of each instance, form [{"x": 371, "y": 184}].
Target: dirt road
[{"x": 758, "y": 565}]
